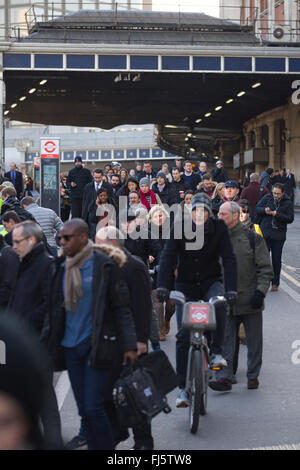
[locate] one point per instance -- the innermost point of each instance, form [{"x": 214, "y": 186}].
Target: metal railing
[{"x": 66, "y": 16}]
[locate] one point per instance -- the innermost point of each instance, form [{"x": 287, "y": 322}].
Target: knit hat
[
  {"x": 202, "y": 200},
  {"x": 162, "y": 175},
  {"x": 78, "y": 159},
  {"x": 145, "y": 181}
]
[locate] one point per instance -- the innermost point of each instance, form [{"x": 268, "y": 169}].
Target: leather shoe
[
  {"x": 253, "y": 384},
  {"x": 274, "y": 289},
  {"x": 221, "y": 385}
]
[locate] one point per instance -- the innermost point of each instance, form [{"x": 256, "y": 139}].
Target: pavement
[{"x": 267, "y": 418}]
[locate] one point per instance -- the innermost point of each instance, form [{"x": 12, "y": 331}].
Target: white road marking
[
  {"x": 295, "y": 295},
  {"x": 62, "y": 389},
  {"x": 279, "y": 447},
  {"x": 290, "y": 278}
]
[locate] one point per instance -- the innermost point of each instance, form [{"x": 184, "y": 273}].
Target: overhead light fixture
[
  {"x": 22, "y": 98},
  {"x": 229, "y": 101},
  {"x": 170, "y": 126},
  {"x": 256, "y": 85},
  {"x": 6, "y": 112},
  {"x": 189, "y": 134},
  {"x": 14, "y": 105},
  {"x": 207, "y": 114},
  {"x": 186, "y": 139},
  {"x": 216, "y": 157},
  {"x": 218, "y": 108},
  {"x": 192, "y": 149},
  {"x": 32, "y": 90},
  {"x": 198, "y": 120},
  {"x": 42, "y": 82},
  {"x": 241, "y": 93}
]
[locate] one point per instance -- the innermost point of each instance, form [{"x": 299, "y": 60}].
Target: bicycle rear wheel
[{"x": 196, "y": 392}]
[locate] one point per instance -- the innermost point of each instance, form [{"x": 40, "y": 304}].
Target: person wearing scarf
[
  {"x": 148, "y": 197},
  {"x": 87, "y": 301}
]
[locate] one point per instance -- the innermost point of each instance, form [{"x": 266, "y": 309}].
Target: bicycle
[{"x": 198, "y": 317}]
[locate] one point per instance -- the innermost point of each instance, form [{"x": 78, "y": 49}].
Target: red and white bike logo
[{"x": 199, "y": 313}]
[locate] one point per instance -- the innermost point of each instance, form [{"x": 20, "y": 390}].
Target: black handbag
[
  {"x": 136, "y": 397},
  {"x": 163, "y": 374}
]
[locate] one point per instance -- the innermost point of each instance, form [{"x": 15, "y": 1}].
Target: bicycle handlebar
[{"x": 180, "y": 297}]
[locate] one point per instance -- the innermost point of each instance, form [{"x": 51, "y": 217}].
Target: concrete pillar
[{"x": 271, "y": 127}]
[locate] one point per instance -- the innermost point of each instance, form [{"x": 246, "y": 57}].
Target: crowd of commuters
[{"x": 92, "y": 287}]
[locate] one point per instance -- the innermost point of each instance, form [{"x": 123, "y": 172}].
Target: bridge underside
[{"x": 168, "y": 99}]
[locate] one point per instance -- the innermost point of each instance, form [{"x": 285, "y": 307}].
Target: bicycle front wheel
[{"x": 197, "y": 388}]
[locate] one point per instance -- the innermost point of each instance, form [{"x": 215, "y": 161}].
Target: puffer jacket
[{"x": 254, "y": 267}]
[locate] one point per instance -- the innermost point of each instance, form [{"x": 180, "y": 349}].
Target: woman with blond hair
[
  {"x": 159, "y": 228},
  {"x": 217, "y": 197}
]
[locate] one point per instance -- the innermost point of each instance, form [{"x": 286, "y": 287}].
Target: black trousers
[{"x": 76, "y": 208}]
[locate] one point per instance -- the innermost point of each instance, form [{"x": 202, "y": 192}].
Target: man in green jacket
[{"x": 254, "y": 275}]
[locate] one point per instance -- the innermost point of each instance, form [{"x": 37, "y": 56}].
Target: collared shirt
[{"x": 79, "y": 324}]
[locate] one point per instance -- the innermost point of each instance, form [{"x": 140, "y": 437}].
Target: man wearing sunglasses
[
  {"x": 91, "y": 324},
  {"x": 274, "y": 211}
]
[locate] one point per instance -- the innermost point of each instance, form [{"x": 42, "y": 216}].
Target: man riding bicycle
[{"x": 199, "y": 276}]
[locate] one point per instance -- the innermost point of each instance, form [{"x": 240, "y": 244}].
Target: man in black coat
[
  {"x": 273, "y": 212},
  {"x": 179, "y": 185},
  {"x": 9, "y": 265},
  {"x": 77, "y": 179},
  {"x": 147, "y": 172},
  {"x": 219, "y": 174},
  {"x": 90, "y": 192},
  {"x": 16, "y": 179},
  {"x": 290, "y": 184},
  {"x": 29, "y": 301},
  {"x": 199, "y": 276},
  {"x": 137, "y": 278},
  {"x": 164, "y": 189},
  {"x": 91, "y": 323}
]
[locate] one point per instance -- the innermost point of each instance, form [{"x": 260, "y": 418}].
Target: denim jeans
[
  {"x": 183, "y": 335},
  {"x": 89, "y": 387},
  {"x": 275, "y": 247}
]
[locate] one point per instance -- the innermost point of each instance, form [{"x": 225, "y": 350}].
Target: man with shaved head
[{"x": 91, "y": 320}]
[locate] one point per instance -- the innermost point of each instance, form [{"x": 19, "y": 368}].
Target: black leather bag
[
  {"x": 163, "y": 374},
  {"x": 136, "y": 397}
]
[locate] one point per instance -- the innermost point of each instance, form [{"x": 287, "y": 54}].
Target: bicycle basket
[{"x": 199, "y": 316}]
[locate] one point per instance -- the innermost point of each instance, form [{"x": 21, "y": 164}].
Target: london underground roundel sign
[{"x": 49, "y": 148}]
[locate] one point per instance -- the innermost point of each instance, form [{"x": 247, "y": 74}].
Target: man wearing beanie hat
[
  {"x": 164, "y": 189},
  {"x": 78, "y": 178},
  {"x": 219, "y": 174},
  {"x": 199, "y": 276}
]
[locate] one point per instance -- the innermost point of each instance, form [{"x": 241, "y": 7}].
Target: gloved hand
[
  {"x": 257, "y": 299},
  {"x": 162, "y": 294},
  {"x": 231, "y": 297}
]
